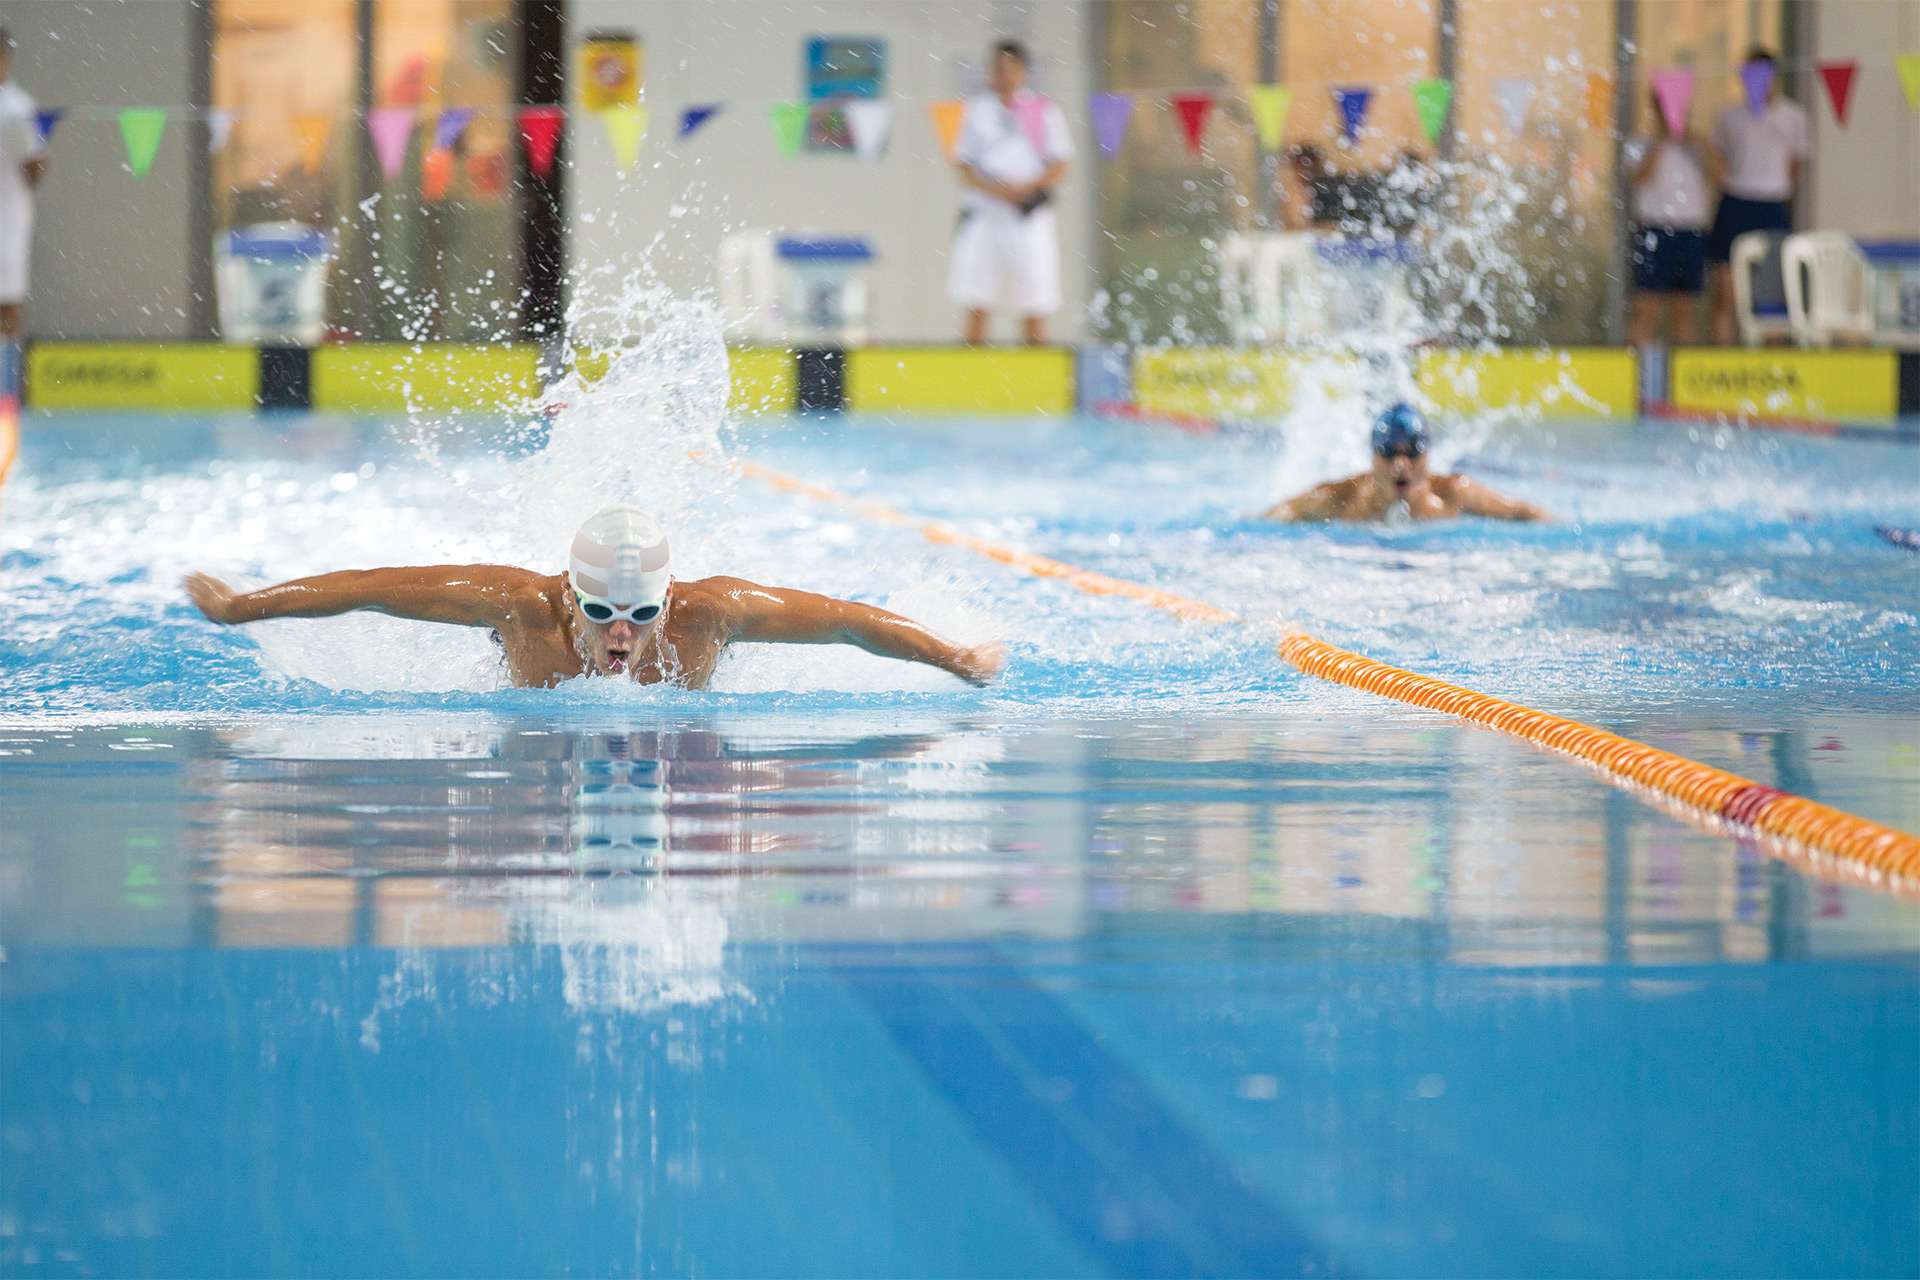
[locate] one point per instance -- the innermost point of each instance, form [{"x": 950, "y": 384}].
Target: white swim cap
[{"x": 620, "y": 556}]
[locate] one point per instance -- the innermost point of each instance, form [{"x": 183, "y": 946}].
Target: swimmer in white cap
[{"x": 616, "y": 611}]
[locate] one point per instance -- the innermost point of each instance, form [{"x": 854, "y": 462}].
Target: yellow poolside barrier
[{"x": 1787, "y": 826}]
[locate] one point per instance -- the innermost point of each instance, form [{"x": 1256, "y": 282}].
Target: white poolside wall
[
  {"x": 748, "y": 53},
  {"x": 1866, "y": 177},
  {"x": 112, "y": 255}
]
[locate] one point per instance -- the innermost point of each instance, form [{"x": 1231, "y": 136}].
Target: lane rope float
[{"x": 1786, "y": 826}]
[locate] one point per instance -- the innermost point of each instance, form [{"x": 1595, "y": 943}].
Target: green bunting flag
[
  {"x": 789, "y": 126},
  {"x": 141, "y": 127},
  {"x": 1432, "y": 98}
]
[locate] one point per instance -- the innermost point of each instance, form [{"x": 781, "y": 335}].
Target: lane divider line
[{"x": 1792, "y": 828}]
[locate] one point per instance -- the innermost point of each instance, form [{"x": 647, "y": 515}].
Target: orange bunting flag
[
  {"x": 312, "y": 132},
  {"x": 1192, "y": 109},
  {"x": 1599, "y": 101},
  {"x": 946, "y": 115},
  {"x": 436, "y": 175}
]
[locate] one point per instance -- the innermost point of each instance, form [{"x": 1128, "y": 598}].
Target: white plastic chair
[
  {"x": 1754, "y": 261},
  {"x": 1273, "y": 287},
  {"x": 1829, "y": 288},
  {"x": 750, "y": 286}
]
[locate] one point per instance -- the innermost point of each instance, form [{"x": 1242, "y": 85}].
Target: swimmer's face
[
  {"x": 1009, "y": 74},
  {"x": 612, "y": 645},
  {"x": 1400, "y": 472}
]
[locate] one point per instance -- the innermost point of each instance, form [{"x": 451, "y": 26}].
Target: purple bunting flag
[
  {"x": 453, "y": 122},
  {"x": 1111, "y": 112},
  {"x": 1757, "y": 79}
]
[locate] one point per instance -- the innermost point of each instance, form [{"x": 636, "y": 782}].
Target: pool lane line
[{"x": 1786, "y": 826}]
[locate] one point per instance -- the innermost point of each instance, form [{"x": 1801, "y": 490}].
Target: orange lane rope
[
  {"x": 9, "y": 435},
  {"x": 1787, "y": 826}
]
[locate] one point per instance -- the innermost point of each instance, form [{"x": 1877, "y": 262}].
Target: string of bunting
[{"x": 869, "y": 121}]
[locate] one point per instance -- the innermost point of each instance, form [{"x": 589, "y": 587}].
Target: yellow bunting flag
[
  {"x": 1909, "y": 65},
  {"x": 140, "y": 129},
  {"x": 625, "y": 127},
  {"x": 1270, "y": 104},
  {"x": 946, "y": 122},
  {"x": 312, "y": 133}
]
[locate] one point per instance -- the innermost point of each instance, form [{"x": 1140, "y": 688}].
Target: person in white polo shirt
[
  {"x": 22, "y": 160},
  {"x": 1006, "y": 251},
  {"x": 1760, "y": 154}
]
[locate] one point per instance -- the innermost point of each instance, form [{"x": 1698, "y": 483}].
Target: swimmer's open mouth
[{"x": 616, "y": 660}]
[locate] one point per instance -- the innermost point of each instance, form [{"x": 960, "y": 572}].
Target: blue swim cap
[{"x": 1400, "y": 429}]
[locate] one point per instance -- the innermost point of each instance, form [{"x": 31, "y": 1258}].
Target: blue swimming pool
[{"x": 324, "y": 953}]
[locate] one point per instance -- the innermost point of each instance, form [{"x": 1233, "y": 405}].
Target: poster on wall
[
  {"x": 609, "y": 72},
  {"x": 840, "y": 68}
]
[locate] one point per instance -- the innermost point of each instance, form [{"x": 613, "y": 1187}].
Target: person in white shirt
[
  {"x": 1760, "y": 155},
  {"x": 22, "y": 161},
  {"x": 1006, "y": 251},
  {"x": 1671, "y": 204}
]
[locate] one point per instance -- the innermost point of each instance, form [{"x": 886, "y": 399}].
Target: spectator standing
[
  {"x": 1006, "y": 251},
  {"x": 22, "y": 160},
  {"x": 1671, "y": 204},
  {"x": 1760, "y": 155}
]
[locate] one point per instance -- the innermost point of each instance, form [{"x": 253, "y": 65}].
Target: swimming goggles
[
  {"x": 606, "y": 611},
  {"x": 1408, "y": 449}
]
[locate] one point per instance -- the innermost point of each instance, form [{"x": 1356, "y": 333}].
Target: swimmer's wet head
[
  {"x": 1400, "y": 442},
  {"x": 620, "y": 585}
]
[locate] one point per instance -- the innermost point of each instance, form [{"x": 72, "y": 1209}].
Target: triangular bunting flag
[
  {"x": 789, "y": 121},
  {"x": 693, "y": 117},
  {"x": 1353, "y": 110},
  {"x": 1515, "y": 96},
  {"x": 540, "y": 135},
  {"x": 1269, "y": 105},
  {"x": 44, "y": 122},
  {"x": 312, "y": 133},
  {"x": 391, "y": 129},
  {"x": 1673, "y": 90},
  {"x": 625, "y": 126},
  {"x": 452, "y": 124},
  {"x": 1111, "y": 112},
  {"x": 140, "y": 129},
  {"x": 1757, "y": 79},
  {"x": 219, "y": 130},
  {"x": 1599, "y": 100},
  {"x": 869, "y": 120},
  {"x": 1908, "y": 64},
  {"x": 945, "y": 115},
  {"x": 1192, "y": 108},
  {"x": 1432, "y": 99},
  {"x": 1838, "y": 77},
  {"x": 436, "y": 174},
  {"x": 1031, "y": 110}
]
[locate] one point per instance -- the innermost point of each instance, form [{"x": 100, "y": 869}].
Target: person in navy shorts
[
  {"x": 1761, "y": 154},
  {"x": 1670, "y": 205}
]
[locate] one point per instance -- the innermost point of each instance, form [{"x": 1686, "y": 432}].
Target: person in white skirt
[
  {"x": 1006, "y": 250},
  {"x": 22, "y": 160}
]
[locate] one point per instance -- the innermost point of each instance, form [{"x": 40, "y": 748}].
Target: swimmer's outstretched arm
[
  {"x": 1477, "y": 500},
  {"x": 779, "y": 615},
  {"x": 466, "y": 595},
  {"x": 1322, "y": 502}
]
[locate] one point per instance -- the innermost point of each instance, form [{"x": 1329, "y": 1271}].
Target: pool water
[{"x": 325, "y": 953}]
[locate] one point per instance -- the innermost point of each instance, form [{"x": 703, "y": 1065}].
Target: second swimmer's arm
[
  {"x": 463, "y": 595},
  {"x": 782, "y": 616}
]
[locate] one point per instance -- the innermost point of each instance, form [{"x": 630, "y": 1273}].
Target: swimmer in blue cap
[
  {"x": 615, "y": 611},
  {"x": 1399, "y": 483}
]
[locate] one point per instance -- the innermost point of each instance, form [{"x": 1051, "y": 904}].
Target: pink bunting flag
[
  {"x": 1031, "y": 110},
  {"x": 1838, "y": 77},
  {"x": 391, "y": 129},
  {"x": 1673, "y": 90}
]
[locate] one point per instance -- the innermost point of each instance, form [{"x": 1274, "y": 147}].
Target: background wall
[
  {"x": 1866, "y": 177},
  {"x": 114, "y": 256},
  {"x": 749, "y": 53}
]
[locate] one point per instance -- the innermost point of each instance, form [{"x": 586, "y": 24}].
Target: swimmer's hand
[
  {"x": 980, "y": 664},
  {"x": 212, "y": 597}
]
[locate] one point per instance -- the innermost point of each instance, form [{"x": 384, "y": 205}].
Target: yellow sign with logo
[
  {"x": 1223, "y": 382},
  {"x": 376, "y": 377},
  {"x": 1786, "y": 384},
  {"x": 1550, "y": 382},
  {"x": 960, "y": 379},
  {"x": 142, "y": 375},
  {"x": 609, "y": 71}
]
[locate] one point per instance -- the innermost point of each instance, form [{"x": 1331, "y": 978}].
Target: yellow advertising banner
[
  {"x": 1778, "y": 383},
  {"x": 371, "y": 377},
  {"x": 609, "y": 71},
  {"x": 1547, "y": 382},
  {"x": 961, "y": 379},
  {"x": 142, "y": 375}
]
